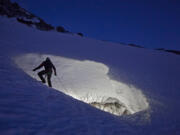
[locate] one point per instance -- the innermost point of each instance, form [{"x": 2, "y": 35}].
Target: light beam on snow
[{"x": 89, "y": 82}]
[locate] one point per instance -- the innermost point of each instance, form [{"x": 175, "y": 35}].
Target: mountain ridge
[{"x": 13, "y": 10}]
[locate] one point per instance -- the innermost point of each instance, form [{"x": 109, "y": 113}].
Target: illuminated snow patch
[{"x": 89, "y": 82}]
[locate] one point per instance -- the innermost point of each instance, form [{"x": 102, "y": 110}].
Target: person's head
[{"x": 48, "y": 59}]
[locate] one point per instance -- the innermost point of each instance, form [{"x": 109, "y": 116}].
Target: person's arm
[
  {"x": 42, "y": 64},
  {"x": 54, "y": 69}
]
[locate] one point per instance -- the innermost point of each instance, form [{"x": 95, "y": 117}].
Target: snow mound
[{"x": 89, "y": 82}]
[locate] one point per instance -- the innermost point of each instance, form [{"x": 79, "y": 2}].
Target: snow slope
[{"x": 151, "y": 79}]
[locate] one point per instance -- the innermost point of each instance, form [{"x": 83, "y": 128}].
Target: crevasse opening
[{"x": 89, "y": 82}]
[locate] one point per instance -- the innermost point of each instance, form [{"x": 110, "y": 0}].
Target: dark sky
[{"x": 149, "y": 23}]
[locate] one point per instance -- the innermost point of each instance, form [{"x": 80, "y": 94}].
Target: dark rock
[
  {"x": 160, "y": 49},
  {"x": 9, "y": 9},
  {"x": 170, "y": 51},
  {"x": 12, "y": 9},
  {"x": 134, "y": 45},
  {"x": 173, "y": 51},
  {"x": 43, "y": 26},
  {"x": 29, "y": 23},
  {"x": 60, "y": 29},
  {"x": 80, "y": 34}
]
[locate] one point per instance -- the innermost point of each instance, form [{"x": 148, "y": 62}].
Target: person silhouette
[{"x": 48, "y": 66}]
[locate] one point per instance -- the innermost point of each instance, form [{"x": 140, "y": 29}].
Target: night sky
[{"x": 149, "y": 23}]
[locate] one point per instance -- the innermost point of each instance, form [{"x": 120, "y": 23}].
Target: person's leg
[
  {"x": 49, "y": 79},
  {"x": 40, "y": 74}
]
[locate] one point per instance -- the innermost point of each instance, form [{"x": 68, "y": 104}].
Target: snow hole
[{"x": 89, "y": 82}]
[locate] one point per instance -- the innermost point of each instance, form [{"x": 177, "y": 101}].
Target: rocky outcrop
[
  {"x": 134, "y": 45},
  {"x": 41, "y": 25},
  {"x": 13, "y": 10},
  {"x": 80, "y": 34},
  {"x": 170, "y": 51},
  {"x": 60, "y": 29},
  {"x": 9, "y": 9}
]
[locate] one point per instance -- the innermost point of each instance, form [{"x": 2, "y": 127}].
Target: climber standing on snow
[{"x": 48, "y": 66}]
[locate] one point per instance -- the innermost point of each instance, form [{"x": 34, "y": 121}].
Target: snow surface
[{"x": 28, "y": 107}]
